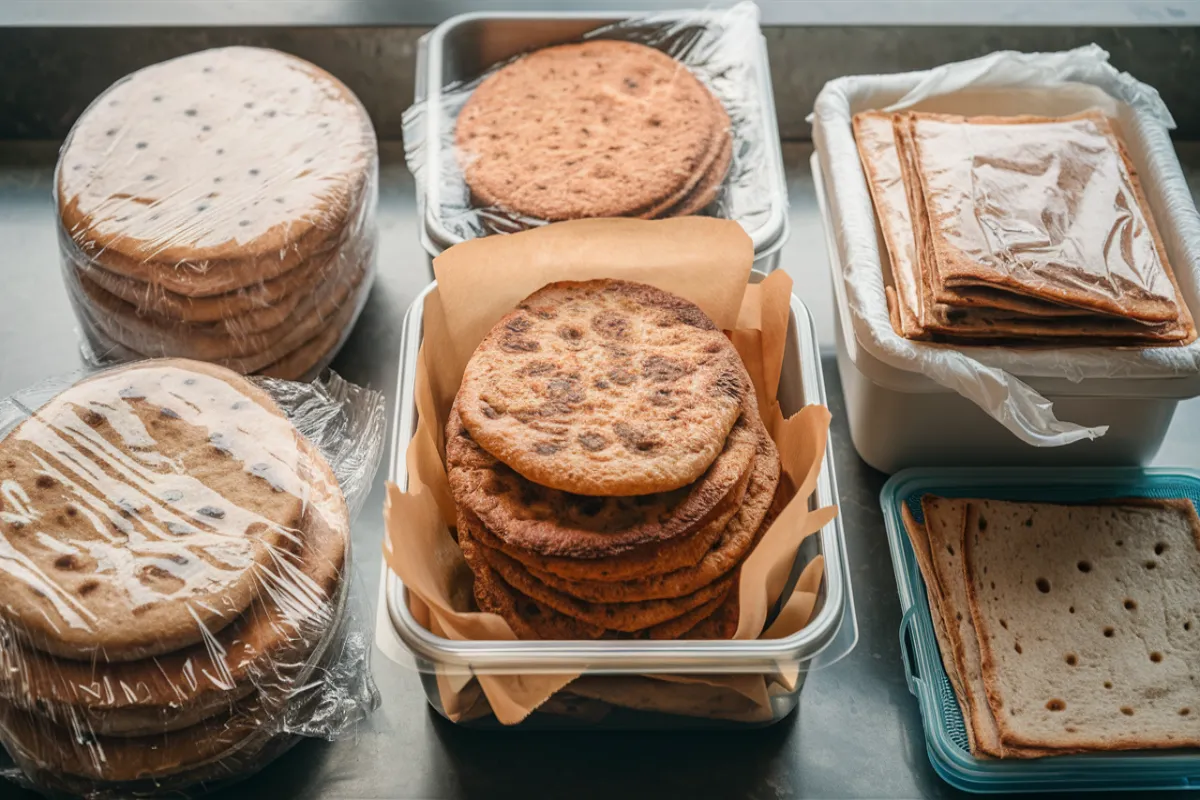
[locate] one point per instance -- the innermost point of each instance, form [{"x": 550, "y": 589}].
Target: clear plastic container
[
  {"x": 830, "y": 634},
  {"x": 466, "y": 46},
  {"x": 945, "y": 734}
]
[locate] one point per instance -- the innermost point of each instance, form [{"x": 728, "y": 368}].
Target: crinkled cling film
[
  {"x": 176, "y": 604},
  {"x": 220, "y": 206},
  {"x": 605, "y": 126}
]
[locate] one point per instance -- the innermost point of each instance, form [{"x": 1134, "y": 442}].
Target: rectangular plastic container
[
  {"x": 831, "y": 633},
  {"x": 903, "y": 419},
  {"x": 945, "y": 734},
  {"x": 465, "y": 46}
]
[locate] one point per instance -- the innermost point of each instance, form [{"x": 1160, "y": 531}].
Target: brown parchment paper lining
[{"x": 704, "y": 260}]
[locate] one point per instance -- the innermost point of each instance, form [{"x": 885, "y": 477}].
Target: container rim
[
  {"x": 767, "y": 237},
  {"x": 642, "y": 656}
]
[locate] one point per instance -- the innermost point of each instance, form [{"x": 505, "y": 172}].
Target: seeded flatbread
[
  {"x": 708, "y": 187},
  {"x": 1088, "y": 621},
  {"x": 216, "y": 170},
  {"x": 156, "y": 493},
  {"x": 555, "y": 523},
  {"x": 709, "y": 172},
  {"x": 268, "y": 649},
  {"x": 599, "y": 129},
  {"x": 604, "y": 388},
  {"x": 736, "y": 541}
]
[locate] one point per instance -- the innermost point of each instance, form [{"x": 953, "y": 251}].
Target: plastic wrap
[
  {"x": 175, "y": 545},
  {"x": 639, "y": 140},
  {"x": 220, "y": 206},
  {"x": 1007, "y": 84}
]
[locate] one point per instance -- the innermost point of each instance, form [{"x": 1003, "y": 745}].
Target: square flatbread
[
  {"x": 1049, "y": 208},
  {"x": 1088, "y": 621}
]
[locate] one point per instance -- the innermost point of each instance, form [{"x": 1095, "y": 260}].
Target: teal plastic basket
[{"x": 945, "y": 732}]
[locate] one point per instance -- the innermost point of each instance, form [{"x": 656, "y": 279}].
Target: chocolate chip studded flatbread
[
  {"x": 268, "y": 649},
  {"x": 216, "y": 170},
  {"x": 141, "y": 507},
  {"x": 735, "y": 543},
  {"x": 604, "y": 388},
  {"x": 598, "y": 129},
  {"x": 709, "y": 173},
  {"x": 555, "y": 523}
]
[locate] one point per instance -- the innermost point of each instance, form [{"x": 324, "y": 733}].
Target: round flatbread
[
  {"x": 270, "y": 648},
  {"x": 604, "y": 388},
  {"x": 142, "y": 507},
  {"x": 707, "y": 188},
  {"x": 735, "y": 543},
  {"x": 550, "y": 522},
  {"x": 630, "y": 617},
  {"x": 216, "y": 170},
  {"x": 599, "y": 129}
]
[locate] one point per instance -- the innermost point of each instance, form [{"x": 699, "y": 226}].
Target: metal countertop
[{"x": 857, "y": 733}]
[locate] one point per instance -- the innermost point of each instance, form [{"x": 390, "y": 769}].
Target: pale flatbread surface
[
  {"x": 1087, "y": 620},
  {"x": 604, "y": 388},
  {"x": 599, "y": 129},
  {"x": 216, "y": 170},
  {"x": 155, "y": 493}
]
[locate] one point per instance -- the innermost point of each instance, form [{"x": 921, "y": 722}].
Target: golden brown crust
[
  {"x": 599, "y": 129},
  {"x": 604, "y": 388}
]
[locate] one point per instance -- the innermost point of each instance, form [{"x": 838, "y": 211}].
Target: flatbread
[
  {"x": 550, "y": 522},
  {"x": 1086, "y": 618},
  {"x": 156, "y": 493},
  {"x": 630, "y": 617},
  {"x": 738, "y": 539},
  {"x": 1061, "y": 252},
  {"x": 269, "y": 649},
  {"x": 604, "y": 388},
  {"x": 216, "y": 170},
  {"x": 599, "y": 129}
]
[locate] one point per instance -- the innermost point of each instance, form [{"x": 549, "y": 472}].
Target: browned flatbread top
[
  {"x": 604, "y": 388},
  {"x": 599, "y": 129}
]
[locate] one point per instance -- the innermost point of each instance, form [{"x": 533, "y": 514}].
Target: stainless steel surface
[
  {"x": 464, "y": 47},
  {"x": 801, "y": 384},
  {"x": 858, "y": 733},
  {"x": 431, "y": 12},
  {"x": 49, "y": 75}
]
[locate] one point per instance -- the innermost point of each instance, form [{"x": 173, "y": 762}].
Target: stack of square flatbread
[
  {"x": 1066, "y": 629},
  {"x": 609, "y": 467},
  {"x": 1025, "y": 231}
]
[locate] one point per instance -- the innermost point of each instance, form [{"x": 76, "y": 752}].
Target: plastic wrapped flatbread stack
[
  {"x": 220, "y": 206},
  {"x": 176, "y": 558}
]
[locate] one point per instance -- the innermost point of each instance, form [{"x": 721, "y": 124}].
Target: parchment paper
[{"x": 708, "y": 262}]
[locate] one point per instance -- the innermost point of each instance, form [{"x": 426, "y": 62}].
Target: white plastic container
[{"x": 902, "y": 419}]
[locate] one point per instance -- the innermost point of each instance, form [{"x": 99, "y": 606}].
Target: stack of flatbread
[
  {"x": 600, "y": 129},
  {"x": 220, "y": 206},
  {"x": 174, "y": 554},
  {"x": 609, "y": 466},
  {"x": 1025, "y": 231},
  {"x": 1066, "y": 629}
]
